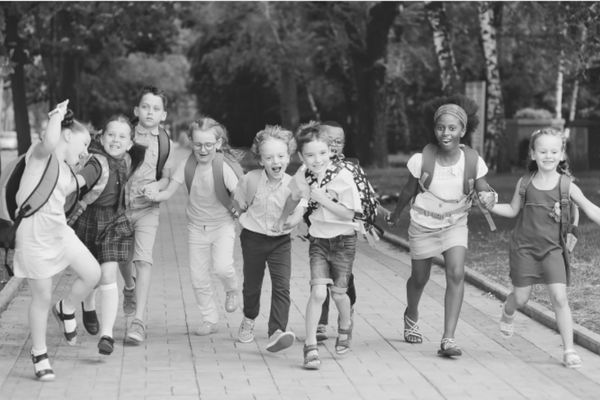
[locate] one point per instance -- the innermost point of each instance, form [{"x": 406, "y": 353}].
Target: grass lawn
[{"x": 488, "y": 251}]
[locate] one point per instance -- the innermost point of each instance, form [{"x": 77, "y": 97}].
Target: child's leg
[
  {"x": 41, "y": 296},
  {"x": 419, "y": 276},
  {"x": 88, "y": 274},
  {"x": 280, "y": 269},
  {"x": 255, "y": 257},
  {"x": 564, "y": 320},
  {"x": 89, "y": 303},
  {"x": 223, "y": 241},
  {"x": 200, "y": 256},
  {"x": 324, "y": 319},
  {"x": 109, "y": 298},
  {"x": 126, "y": 269},
  {"x": 313, "y": 308},
  {"x": 517, "y": 299},
  {"x": 351, "y": 290},
  {"x": 454, "y": 259}
]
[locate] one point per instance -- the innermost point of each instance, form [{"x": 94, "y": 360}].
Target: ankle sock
[{"x": 43, "y": 364}]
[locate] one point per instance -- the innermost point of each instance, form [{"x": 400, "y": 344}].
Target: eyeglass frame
[{"x": 207, "y": 146}]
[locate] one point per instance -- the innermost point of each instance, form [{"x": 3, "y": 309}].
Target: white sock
[
  {"x": 109, "y": 304},
  {"x": 89, "y": 303},
  {"x": 42, "y": 365}
]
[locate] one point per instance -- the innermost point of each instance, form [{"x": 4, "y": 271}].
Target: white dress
[{"x": 42, "y": 239}]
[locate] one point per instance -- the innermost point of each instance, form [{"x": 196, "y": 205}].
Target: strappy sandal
[
  {"x": 43, "y": 374},
  {"x": 507, "y": 327},
  {"x": 571, "y": 359},
  {"x": 412, "y": 332},
  {"x": 449, "y": 348},
  {"x": 311, "y": 357},
  {"x": 343, "y": 345},
  {"x": 61, "y": 317}
]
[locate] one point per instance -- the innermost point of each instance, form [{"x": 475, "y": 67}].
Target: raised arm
[
  {"x": 589, "y": 208},
  {"x": 52, "y": 135},
  {"x": 509, "y": 210},
  {"x": 164, "y": 194}
]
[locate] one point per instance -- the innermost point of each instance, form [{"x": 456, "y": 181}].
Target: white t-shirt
[
  {"x": 446, "y": 183},
  {"x": 204, "y": 208}
]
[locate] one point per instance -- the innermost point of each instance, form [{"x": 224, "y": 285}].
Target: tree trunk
[
  {"x": 436, "y": 15},
  {"x": 14, "y": 45},
  {"x": 288, "y": 96},
  {"x": 558, "y": 94},
  {"x": 370, "y": 140},
  {"x": 496, "y": 146}
]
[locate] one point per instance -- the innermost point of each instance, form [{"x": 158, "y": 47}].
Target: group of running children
[{"x": 129, "y": 173}]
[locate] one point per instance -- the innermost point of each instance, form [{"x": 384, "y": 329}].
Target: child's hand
[
  {"x": 60, "y": 110},
  {"x": 488, "y": 199},
  {"x": 571, "y": 241},
  {"x": 151, "y": 190},
  {"x": 319, "y": 195}
]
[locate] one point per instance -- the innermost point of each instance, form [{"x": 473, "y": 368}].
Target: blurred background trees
[{"x": 368, "y": 65}]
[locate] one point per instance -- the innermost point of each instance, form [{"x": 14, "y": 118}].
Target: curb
[
  {"x": 9, "y": 292},
  {"x": 581, "y": 335}
]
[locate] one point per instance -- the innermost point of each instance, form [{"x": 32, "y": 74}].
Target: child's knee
[
  {"x": 339, "y": 296},
  {"x": 559, "y": 300},
  {"x": 318, "y": 293}
]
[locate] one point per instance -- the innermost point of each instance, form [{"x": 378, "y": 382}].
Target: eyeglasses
[
  {"x": 207, "y": 146},
  {"x": 338, "y": 142}
]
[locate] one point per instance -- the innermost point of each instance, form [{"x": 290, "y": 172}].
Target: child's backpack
[
  {"x": 569, "y": 215},
  {"x": 223, "y": 194},
  {"x": 164, "y": 148},
  {"x": 367, "y": 195},
  {"x": 10, "y": 217},
  {"x": 469, "y": 177}
]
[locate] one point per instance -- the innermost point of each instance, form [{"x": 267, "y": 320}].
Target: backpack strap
[
  {"x": 42, "y": 191},
  {"x": 189, "y": 170},
  {"x": 427, "y": 165},
  {"x": 470, "y": 173},
  {"x": 164, "y": 148},
  {"x": 99, "y": 185},
  {"x": 252, "y": 181},
  {"x": 525, "y": 181},
  {"x": 564, "y": 190},
  {"x": 221, "y": 191}
]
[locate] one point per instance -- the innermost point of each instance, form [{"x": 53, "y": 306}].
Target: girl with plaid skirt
[{"x": 100, "y": 224}]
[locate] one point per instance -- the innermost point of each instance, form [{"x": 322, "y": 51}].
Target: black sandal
[
  {"x": 106, "y": 345},
  {"x": 90, "y": 321},
  {"x": 61, "y": 317},
  {"x": 46, "y": 374}
]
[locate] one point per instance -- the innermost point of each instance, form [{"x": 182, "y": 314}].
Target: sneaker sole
[
  {"x": 134, "y": 340},
  {"x": 247, "y": 340},
  {"x": 285, "y": 340},
  {"x": 449, "y": 353}
]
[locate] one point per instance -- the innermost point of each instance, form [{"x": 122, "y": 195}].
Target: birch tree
[
  {"x": 436, "y": 15},
  {"x": 496, "y": 149}
]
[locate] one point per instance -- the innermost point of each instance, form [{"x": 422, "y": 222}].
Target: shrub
[{"x": 533, "y": 113}]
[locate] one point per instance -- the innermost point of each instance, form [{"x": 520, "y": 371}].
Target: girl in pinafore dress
[
  {"x": 98, "y": 225},
  {"x": 536, "y": 254},
  {"x": 438, "y": 217},
  {"x": 44, "y": 243}
]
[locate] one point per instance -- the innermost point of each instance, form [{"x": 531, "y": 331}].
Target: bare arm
[
  {"x": 320, "y": 196},
  {"x": 589, "y": 208},
  {"x": 52, "y": 136},
  {"x": 509, "y": 210},
  {"x": 407, "y": 193},
  {"x": 164, "y": 194}
]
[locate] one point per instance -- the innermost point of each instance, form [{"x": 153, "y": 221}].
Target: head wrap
[{"x": 454, "y": 110}]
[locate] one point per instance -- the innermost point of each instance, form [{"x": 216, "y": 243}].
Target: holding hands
[{"x": 488, "y": 199}]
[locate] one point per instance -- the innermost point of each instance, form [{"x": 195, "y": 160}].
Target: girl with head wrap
[{"x": 438, "y": 216}]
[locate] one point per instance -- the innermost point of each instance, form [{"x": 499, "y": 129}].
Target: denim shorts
[{"x": 331, "y": 261}]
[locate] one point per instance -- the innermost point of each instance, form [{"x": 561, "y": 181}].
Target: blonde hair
[
  {"x": 273, "y": 132},
  {"x": 207, "y": 123},
  {"x": 563, "y": 165}
]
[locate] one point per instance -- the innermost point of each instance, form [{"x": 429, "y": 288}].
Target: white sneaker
[
  {"x": 246, "y": 331},
  {"x": 231, "y": 302},
  {"x": 206, "y": 328},
  {"x": 280, "y": 340}
]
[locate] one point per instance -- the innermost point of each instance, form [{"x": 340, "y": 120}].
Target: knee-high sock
[{"x": 109, "y": 304}]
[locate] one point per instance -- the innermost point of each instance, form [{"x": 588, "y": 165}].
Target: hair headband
[{"x": 454, "y": 110}]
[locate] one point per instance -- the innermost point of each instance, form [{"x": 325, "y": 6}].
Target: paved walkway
[{"x": 174, "y": 363}]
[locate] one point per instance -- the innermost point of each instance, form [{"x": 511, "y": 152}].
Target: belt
[{"x": 445, "y": 215}]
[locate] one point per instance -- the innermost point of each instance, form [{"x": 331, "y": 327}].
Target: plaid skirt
[{"x": 106, "y": 233}]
